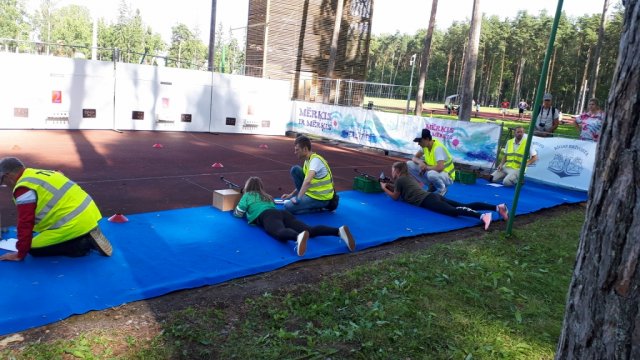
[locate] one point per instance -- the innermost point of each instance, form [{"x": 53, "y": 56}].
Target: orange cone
[{"x": 118, "y": 218}]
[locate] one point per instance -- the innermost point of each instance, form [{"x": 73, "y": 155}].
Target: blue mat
[{"x": 160, "y": 252}]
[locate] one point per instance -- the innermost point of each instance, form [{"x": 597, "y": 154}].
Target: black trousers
[
  {"x": 435, "y": 202},
  {"x": 77, "y": 247},
  {"x": 283, "y": 226}
]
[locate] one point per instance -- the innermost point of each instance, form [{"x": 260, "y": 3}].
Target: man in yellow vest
[
  {"x": 63, "y": 216},
  {"x": 313, "y": 182},
  {"x": 509, "y": 169},
  {"x": 432, "y": 164}
]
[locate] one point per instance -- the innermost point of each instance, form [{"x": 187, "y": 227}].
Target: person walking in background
[
  {"x": 313, "y": 182},
  {"x": 522, "y": 106},
  {"x": 259, "y": 208},
  {"x": 590, "y": 122},
  {"x": 62, "y": 214},
  {"x": 410, "y": 191},
  {"x": 509, "y": 169},
  {"x": 432, "y": 164},
  {"x": 548, "y": 118},
  {"x": 504, "y": 106}
]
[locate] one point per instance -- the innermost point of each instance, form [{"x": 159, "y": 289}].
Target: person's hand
[
  {"x": 294, "y": 199},
  {"x": 285, "y": 196},
  {"x": 12, "y": 256},
  {"x": 423, "y": 168},
  {"x": 500, "y": 167}
]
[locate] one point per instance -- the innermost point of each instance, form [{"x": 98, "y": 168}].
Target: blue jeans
[
  {"x": 304, "y": 204},
  {"x": 439, "y": 180}
]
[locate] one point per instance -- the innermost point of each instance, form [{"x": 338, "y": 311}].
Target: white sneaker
[
  {"x": 345, "y": 235},
  {"x": 486, "y": 219},
  {"x": 100, "y": 242},
  {"x": 503, "y": 211},
  {"x": 301, "y": 243}
]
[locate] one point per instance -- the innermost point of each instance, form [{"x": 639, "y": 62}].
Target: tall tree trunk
[
  {"x": 212, "y": 34},
  {"x": 446, "y": 79},
  {"x": 593, "y": 80},
  {"x": 487, "y": 91},
  {"x": 482, "y": 72},
  {"x": 424, "y": 63},
  {"x": 550, "y": 72},
  {"x": 602, "y": 314},
  {"x": 576, "y": 105},
  {"x": 333, "y": 51},
  {"x": 523, "y": 60},
  {"x": 499, "y": 89},
  {"x": 471, "y": 62},
  {"x": 583, "y": 82}
]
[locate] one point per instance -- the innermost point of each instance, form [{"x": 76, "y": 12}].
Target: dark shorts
[{"x": 520, "y": 111}]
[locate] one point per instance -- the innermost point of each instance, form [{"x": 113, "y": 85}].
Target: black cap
[
  {"x": 426, "y": 134},
  {"x": 9, "y": 165}
]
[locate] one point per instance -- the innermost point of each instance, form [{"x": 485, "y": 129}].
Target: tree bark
[
  {"x": 446, "y": 79},
  {"x": 469, "y": 80},
  {"x": 602, "y": 315},
  {"x": 583, "y": 82},
  {"x": 424, "y": 64}
]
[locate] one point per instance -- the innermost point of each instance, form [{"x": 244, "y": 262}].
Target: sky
[{"x": 389, "y": 16}]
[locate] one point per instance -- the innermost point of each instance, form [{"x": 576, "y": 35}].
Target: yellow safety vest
[
  {"x": 514, "y": 157},
  {"x": 322, "y": 188},
  {"x": 430, "y": 158},
  {"x": 63, "y": 210}
]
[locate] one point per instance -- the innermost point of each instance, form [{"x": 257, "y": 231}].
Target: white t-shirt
[
  {"x": 546, "y": 117},
  {"x": 317, "y": 165}
]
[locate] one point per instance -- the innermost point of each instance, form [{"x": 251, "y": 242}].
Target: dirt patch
[{"x": 142, "y": 319}]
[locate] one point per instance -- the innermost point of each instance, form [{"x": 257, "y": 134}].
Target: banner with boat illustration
[{"x": 563, "y": 162}]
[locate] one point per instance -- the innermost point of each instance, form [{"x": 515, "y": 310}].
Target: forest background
[{"x": 510, "y": 55}]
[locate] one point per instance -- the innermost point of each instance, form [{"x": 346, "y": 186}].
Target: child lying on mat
[
  {"x": 260, "y": 209},
  {"x": 411, "y": 192}
]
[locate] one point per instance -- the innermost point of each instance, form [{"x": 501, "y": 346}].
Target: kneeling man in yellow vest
[
  {"x": 63, "y": 216},
  {"x": 509, "y": 169},
  {"x": 432, "y": 164}
]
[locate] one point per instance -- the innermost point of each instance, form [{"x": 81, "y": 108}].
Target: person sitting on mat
[
  {"x": 59, "y": 210},
  {"x": 259, "y": 208},
  {"x": 406, "y": 187}
]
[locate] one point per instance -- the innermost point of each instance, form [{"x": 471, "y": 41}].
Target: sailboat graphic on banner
[{"x": 565, "y": 166}]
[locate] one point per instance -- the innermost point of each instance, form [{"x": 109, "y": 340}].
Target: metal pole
[
  {"x": 534, "y": 115},
  {"x": 413, "y": 65}
]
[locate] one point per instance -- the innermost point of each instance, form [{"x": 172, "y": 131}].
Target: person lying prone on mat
[
  {"x": 62, "y": 214},
  {"x": 259, "y": 208},
  {"x": 406, "y": 187}
]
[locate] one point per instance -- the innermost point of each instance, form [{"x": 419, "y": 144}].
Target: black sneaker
[{"x": 100, "y": 242}]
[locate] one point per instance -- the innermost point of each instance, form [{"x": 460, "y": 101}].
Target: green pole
[{"x": 534, "y": 115}]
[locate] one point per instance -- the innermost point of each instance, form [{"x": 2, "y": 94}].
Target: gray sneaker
[{"x": 100, "y": 242}]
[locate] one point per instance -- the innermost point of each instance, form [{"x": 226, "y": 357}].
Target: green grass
[{"x": 490, "y": 297}]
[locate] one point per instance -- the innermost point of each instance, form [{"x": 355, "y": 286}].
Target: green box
[
  {"x": 466, "y": 177},
  {"x": 367, "y": 185}
]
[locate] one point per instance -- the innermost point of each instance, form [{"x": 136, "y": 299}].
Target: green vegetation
[{"x": 490, "y": 297}]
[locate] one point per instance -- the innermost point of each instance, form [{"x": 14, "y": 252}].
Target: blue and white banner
[
  {"x": 469, "y": 143},
  {"x": 563, "y": 162}
]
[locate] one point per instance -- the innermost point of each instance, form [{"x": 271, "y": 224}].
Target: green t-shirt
[
  {"x": 410, "y": 190},
  {"x": 253, "y": 205}
]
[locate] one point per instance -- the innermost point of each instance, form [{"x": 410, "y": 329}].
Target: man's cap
[
  {"x": 9, "y": 164},
  {"x": 547, "y": 96},
  {"x": 426, "y": 134}
]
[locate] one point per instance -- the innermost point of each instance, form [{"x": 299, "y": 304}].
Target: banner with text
[
  {"x": 469, "y": 143},
  {"x": 563, "y": 162}
]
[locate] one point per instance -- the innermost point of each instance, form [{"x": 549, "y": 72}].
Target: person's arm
[
  {"x": 504, "y": 160},
  {"x": 555, "y": 122},
  {"x": 289, "y": 195},
  {"x": 26, "y": 208},
  {"x": 242, "y": 207},
  {"x": 305, "y": 185},
  {"x": 418, "y": 158},
  {"x": 395, "y": 194}
]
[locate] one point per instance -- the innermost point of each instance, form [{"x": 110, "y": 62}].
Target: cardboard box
[{"x": 226, "y": 199}]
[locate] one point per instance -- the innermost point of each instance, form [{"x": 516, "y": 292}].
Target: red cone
[
  {"x": 264, "y": 146},
  {"x": 118, "y": 218},
  {"x": 158, "y": 146},
  {"x": 217, "y": 165}
]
